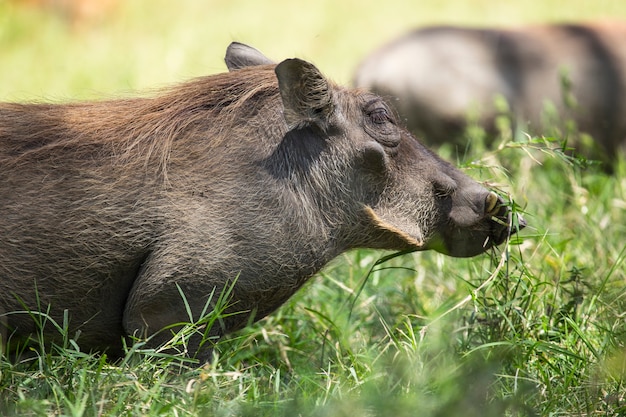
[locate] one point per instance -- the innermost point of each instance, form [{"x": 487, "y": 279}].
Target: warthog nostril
[{"x": 491, "y": 204}]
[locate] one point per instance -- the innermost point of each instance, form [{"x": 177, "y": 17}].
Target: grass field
[{"x": 535, "y": 328}]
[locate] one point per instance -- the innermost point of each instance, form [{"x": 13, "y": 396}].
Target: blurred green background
[{"x": 95, "y": 48}]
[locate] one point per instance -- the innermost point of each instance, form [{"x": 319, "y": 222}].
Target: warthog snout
[{"x": 478, "y": 220}]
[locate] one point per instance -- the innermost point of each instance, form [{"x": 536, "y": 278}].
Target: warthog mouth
[{"x": 504, "y": 221}]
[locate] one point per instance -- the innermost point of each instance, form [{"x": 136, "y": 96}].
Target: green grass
[{"x": 536, "y": 327}]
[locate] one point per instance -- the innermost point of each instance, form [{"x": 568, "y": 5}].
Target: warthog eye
[
  {"x": 380, "y": 123},
  {"x": 380, "y": 116}
]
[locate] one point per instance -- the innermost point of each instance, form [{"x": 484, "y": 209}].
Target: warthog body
[
  {"x": 258, "y": 176},
  {"x": 440, "y": 75}
]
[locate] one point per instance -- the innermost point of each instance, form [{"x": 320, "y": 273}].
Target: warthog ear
[
  {"x": 239, "y": 55},
  {"x": 305, "y": 93}
]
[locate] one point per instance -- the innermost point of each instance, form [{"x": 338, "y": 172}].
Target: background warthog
[
  {"x": 442, "y": 74},
  {"x": 261, "y": 175}
]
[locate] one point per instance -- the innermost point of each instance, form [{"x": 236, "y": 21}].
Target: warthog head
[{"x": 410, "y": 197}]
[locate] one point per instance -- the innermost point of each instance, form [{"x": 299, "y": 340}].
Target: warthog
[
  {"x": 440, "y": 75},
  {"x": 250, "y": 180}
]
